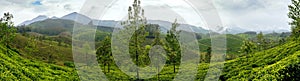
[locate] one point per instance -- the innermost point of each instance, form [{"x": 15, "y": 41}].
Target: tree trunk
[
  {"x": 104, "y": 68},
  {"x": 137, "y": 58},
  {"x": 108, "y": 67},
  {"x": 157, "y": 73},
  {"x": 174, "y": 66}
]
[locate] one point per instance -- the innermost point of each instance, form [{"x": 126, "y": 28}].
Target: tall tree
[
  {"x": 261, "y": 41},
  {"x": 208, "y": 54},
  {"x": 104, "y": 53},
  {"x": 157, "y": 41},
  {"x": 7, "y": 29},
  {"x": 172, "y": 45},
  {"x": 136, "y": 21},
  {"x": 294, "y": 14},
  {"x": 156, "y": 32}
]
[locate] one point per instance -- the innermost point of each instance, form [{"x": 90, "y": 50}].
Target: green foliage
[
  {"x": 32, "y": 48},
  {"x": 52, "y": 26},
  {"x": 278, "y": 63},
  {"x": 16, "y": 68},
  {"x": 153, "y": 30},
  {"x": 7, "y": 29},
  {"x": 234, "y": 43},
  {"x": 172, "y": 45},
  {"x": 248, "y": 47},
  {"x": 273, "y": 64},
  {"x": 208, "y": 55},
  {"x": 294, "y": 14},
  {"x": 137, "y": 22},
  {"x": 261, "y": 41},
  {"x": 104, "y": 54}
]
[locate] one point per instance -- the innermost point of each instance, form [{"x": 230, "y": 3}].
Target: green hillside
[
  {"x": 15, "y": 68},
  {"x": 233, "y": 43},
  {"x": 34, "y": 48},
  {"x": 52, "y": 26},
  {"x": 57, "y": 26},
  {"x": 281, "y": 63}
]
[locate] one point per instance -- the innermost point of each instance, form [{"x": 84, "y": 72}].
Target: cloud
[
  {"x": 248, "y": 14},
  {"x": 237, "y": 5},
  {"x": 28, "y": 9},
  {"x": 254, "y": 14},
  {"x": 68, "y": 7}
]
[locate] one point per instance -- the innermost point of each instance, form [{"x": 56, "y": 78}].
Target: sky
[{"x": 246, "y": 14}]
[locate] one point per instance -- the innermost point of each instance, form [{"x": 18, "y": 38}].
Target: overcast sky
[{"x": 247, "y": 14}]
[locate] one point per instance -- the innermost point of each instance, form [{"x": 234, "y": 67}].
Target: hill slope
[
  {"x": 233, "y": 43},
  {"x": 280, "y": 63},
  {"x": 13, "y": 67}
]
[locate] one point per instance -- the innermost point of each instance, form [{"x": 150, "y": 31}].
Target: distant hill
[
  {"x": 108, "y": 23},
  {"x": 38, "y": 18},
  {"x": 233, "y": 43},
  {"x": 57, "y": 26},
  {"x": 77, "y": 17},
  {"x": 84, "y": 20},
  {"x": 235, "y": 30},
  {"x": 165, "y": 25},
  {"x": 54, "y": 17},
  {"x": 52, "y": 26}
]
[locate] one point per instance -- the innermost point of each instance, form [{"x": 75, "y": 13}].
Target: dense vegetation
[
  {"x": 281, "y": 63},
  {"x": 43, "y": 51},
  {"x": 14, "y": 67}
]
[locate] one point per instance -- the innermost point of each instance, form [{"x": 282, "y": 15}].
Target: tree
[
  {"x": 261, "y": 41},
  {"x": 208, "y": 54},
  {"x": 7, "y": 29},
  {"x": 157, "y": 41},
  {"x": 248, "y": 47},
  {"x": 294, "y": 14},
  {"x": 172, "y": 45},
  {"x": 156, "y": 33},
  {"x": 104, "y": 54},
  {"x": 31, "y": 45},
  {"x": 50, "y": 56},
  {"x": 136, "y": 21}
]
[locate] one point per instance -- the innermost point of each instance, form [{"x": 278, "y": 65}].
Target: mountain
[
  {"x": 77, "y": 17},
  {"x": 235, "y": 30},
  {"x": 165, "y": 25},
  {"x": 52, "y": 26},
  {"x": 108, "y": 23},
  {"x": 82, "y": 19},
  {"x": 38, "y": 18},
  {"x": 54, "y": 17},
  {"x": 277, "y": 31}
]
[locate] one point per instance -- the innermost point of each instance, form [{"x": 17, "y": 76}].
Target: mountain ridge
[
  {"x": 38, "y": 18},
  {"x": 77, "y": 17}
]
